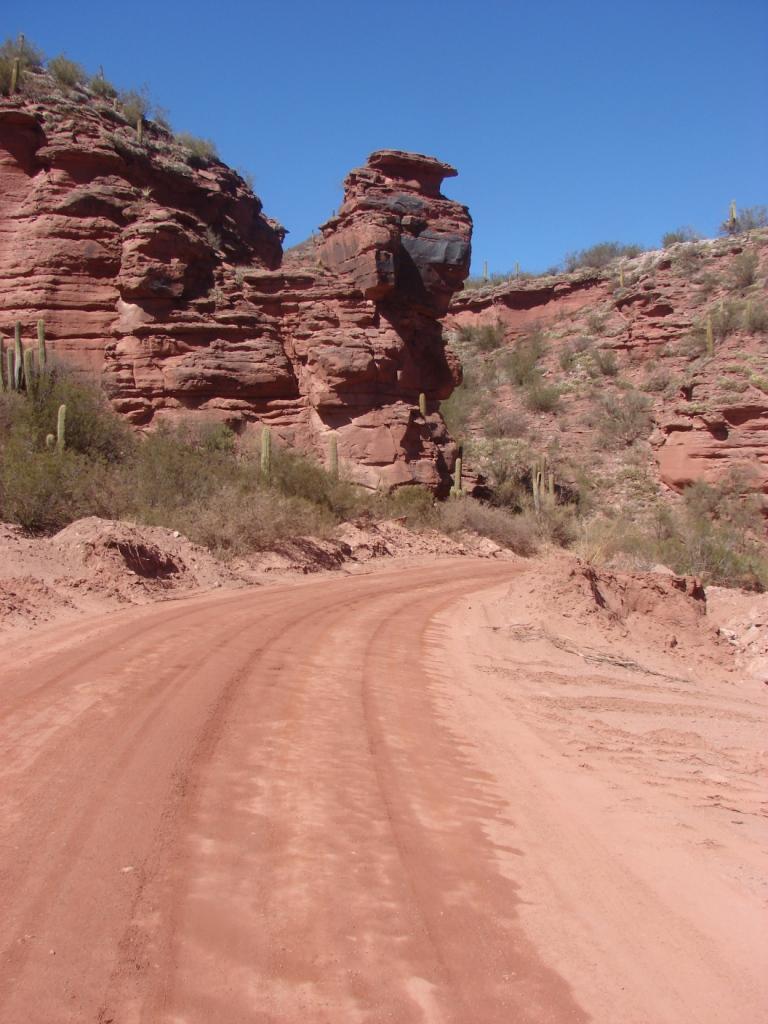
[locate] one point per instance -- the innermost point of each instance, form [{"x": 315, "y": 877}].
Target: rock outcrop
[
  {"x": 710, "y": 408},
  {"x": 156, "y": 269}
]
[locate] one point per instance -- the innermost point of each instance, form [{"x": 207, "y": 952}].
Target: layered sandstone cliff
[{"x": 158, "y": 271}]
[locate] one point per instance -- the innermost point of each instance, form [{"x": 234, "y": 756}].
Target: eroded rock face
[{"x": 169, "y": 282}]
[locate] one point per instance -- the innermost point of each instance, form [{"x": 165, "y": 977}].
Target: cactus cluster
[
  {"x": 542, "y": 485},
  {"x": 21, "y": 370}
]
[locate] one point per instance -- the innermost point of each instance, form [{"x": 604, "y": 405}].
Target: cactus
[
  {"x": 621, "y": 277},
  {"x": 29, "y": 371},
  {"x": 333, "y": 457},
  {"x": 11, "y": 373},
  {"x": 50, "y": 441},
  {"x": 423, "y": 404},
  {"x": 61, "y": 429},
  {"x": 266, "y": 452},
  {"x": 485, "y": 270},
  {"x": 18, "y": 358},
  {"x": 710, "y": 336},
  {"x": 15, "y": 76},
  {"x": 456, "y": 490},
  {"x": 517, "y": 269},
  {"x": 732, "y": 215},
  {"x": 140, "y": 129},
  {"x": 2, "y": 364},
  {"x": 42, "y": 357},
  {"x": 542, "y": 485}
]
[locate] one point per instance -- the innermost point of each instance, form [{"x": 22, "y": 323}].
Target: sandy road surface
[{"x": 347, "y": 801}]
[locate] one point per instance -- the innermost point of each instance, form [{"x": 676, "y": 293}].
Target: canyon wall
[{"x": 157, "y": 270}]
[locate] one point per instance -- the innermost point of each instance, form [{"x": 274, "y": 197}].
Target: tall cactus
[
  {"x": 15, "y": 75},
  {"x": 2, "y": 364},
  {"x": 61, "y": 429},
  {"x": 542, "y": 485},
  {"x": 18, "y": 358},
  {"x": 423, "y": 404},
  {"x": 710, "y": 336},
  {"x": 11, "y": 369},
  {"x": 456, "y": 490},
  {"x": 333, "y": 457},
  {"x": 30, "y": 379},
  {"x": 42, "y": 357},
  {"x": 266, "y": 453}
]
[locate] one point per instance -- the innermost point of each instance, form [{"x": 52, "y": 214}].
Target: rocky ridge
[{"x": 156, "y": 269}]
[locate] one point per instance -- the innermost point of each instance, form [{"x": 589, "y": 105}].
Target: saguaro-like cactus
[
  {"x": 2, "y": 363},
  {"x": 140, "y": 129},
  {"x": 11, "y": 369},
  {"x": 456, "y": 490},
  {"x": 333, "y": 456},
  {"x": 15, "y": 75},
  {"x": 266, "y": 452},
  {"x": 50, "y": 441},
  {"x": 42, "y": 357},
  {"x": 542, "y": 484},
  {"x": 621, "y": 277},
  {"x": 61, "y": 429},
  {"x": 29, "y": 371},
  {"x": 423, "y": 404},
  {"x": 18, "y": 357}
]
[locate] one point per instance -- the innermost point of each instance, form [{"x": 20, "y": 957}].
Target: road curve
[{"x": 248, "y": 807}]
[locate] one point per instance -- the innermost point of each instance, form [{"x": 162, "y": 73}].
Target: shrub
[
  {"x": 67, "y": 72},
  {"x": 725, "y": 319},
  {"x": 744, "y": 269},
  {"x": 515, "y": 532},
  {"x": 485, "y": 338},
  {"x": 99, "y": 86},
  {"x": 135, "y": 105},
  {"x": 748, "y": 219},
  {"x": 566, "y": 358},
  {"x": 755, "y": 318},
  {"x": 605, "y": 362},
  {"x": 505, "y": 423},
  {"x": 541, "y": 397},
  {"x": 201, "y": 152},
  {"x": 624, "y": 418},
  {"x": 519, "y": 364},
  {"x": 682, "y": 234},
  {"x": 600, "y": 255},
  {"x": 414, "y": 503},
  {"x": 29, "y": 55}
]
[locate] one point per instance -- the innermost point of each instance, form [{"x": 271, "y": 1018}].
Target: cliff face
[
  {"x": 709, "y": 408},
  {"x": 158, "y": 271}
]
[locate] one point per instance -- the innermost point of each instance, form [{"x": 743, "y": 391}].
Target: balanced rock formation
[{"x": 156, "y": 268}]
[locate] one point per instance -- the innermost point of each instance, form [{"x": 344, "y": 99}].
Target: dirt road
[{"x": 327, "y": 802}]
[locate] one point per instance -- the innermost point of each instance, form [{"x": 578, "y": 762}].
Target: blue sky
[{"x": 569, "y": 123}]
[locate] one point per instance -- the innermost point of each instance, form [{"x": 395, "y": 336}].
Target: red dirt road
[{"x": 317, "y": 803}]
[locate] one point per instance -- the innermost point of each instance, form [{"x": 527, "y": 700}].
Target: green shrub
[
  {"x": 601, "y": 255},
  {"x": 484, "y": 338},
  {"x": 744, "y": 269},
  {"x": 67, "y": 72},
  {"x": 414, "y": 503},
  {"x": 624, "y": 418},
  {"x": 726, "y": 318},
  {"x": 566, "y": 358},
  {"x": 505, "y": 423}
]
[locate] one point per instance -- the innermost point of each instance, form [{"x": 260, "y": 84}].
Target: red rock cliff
[{"x": 160, "y": 273}]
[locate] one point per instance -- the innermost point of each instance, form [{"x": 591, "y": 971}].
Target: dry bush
[
  {"x": 67, "y": 72},
  {"x": 682, "y": 234},
  {"x": 744, "y": 269},
  {"x": 510, "y": 531},
  {"x": 624, "y": 418},
  {"x": 541, "y": 397},
  {"x": 600, "y": 255},
  {"x": 519, "y": 364},
  {"x": 201, "y": 152}
]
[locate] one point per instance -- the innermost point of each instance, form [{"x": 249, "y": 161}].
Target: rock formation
[
  {"x": 710, "y": 409},
  {"x": 157, "y": 270}
]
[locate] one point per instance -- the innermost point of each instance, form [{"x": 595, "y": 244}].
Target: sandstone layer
[{"x": 156, "y": 269}]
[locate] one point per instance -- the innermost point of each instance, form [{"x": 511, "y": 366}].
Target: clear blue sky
[{"x": 569, "y": 123}]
